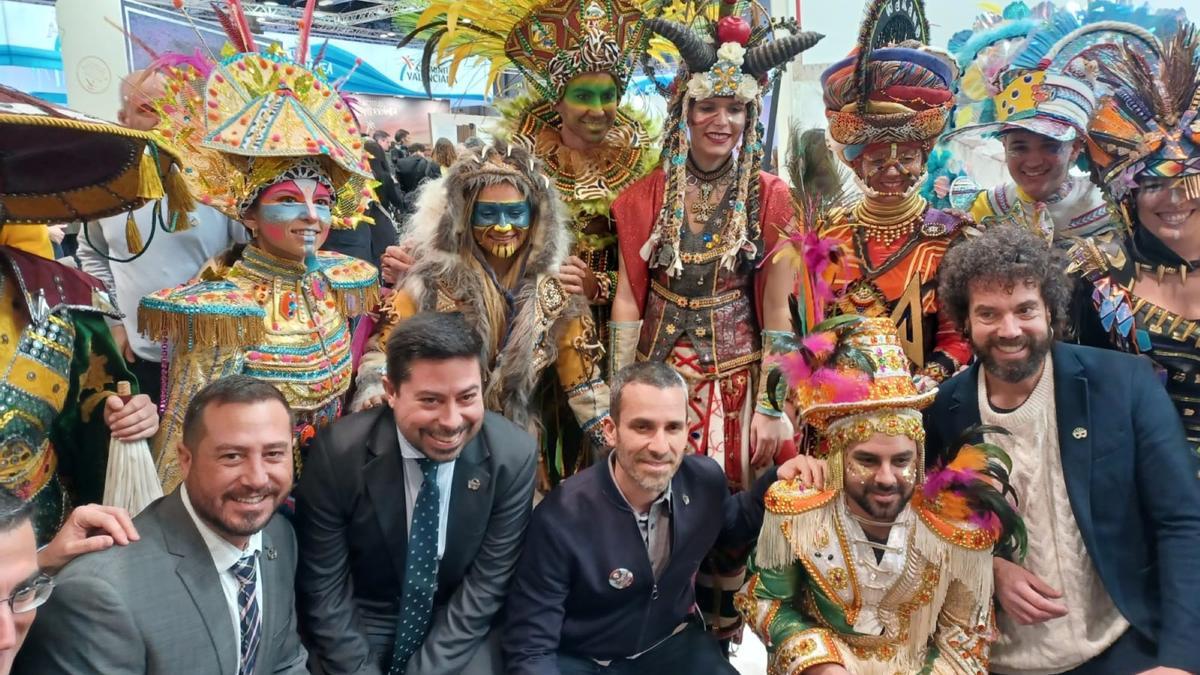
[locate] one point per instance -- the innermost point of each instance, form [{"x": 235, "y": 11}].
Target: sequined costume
[
  {"x": 694, "y": 248},
  {"x": 543, "y": 351},
  {"x": 1013, "y": 79},
  {"x": 59, "y": 360},
  {"x": 1138, "y": 134},
  {"x": 821, "y": 591},
  {"x": 253, "y": 120},
  {"x": 884, "y": 96}
]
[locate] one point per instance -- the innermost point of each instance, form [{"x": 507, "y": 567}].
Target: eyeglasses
[{"x": 31, "y": 596}]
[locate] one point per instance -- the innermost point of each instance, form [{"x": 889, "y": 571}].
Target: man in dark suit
[
  {"x": 605, "y": 583},
  {"x": 1107, "y": 484},
  {"x": 411, "y": 172},
  {"x": 411, "y": 516},
  {"x": 208, "y": 586}
]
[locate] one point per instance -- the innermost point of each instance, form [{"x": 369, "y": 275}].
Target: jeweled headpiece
[
  {"x": 549, "y": 42},
  {"x": 247, "y": 119},
  {"x": 893, "y": 88},
  {"x": 1149, "y": 127}
]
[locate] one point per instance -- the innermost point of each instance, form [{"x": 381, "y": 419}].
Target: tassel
[
  {"x": 179, "y": 201},
  {"x": 133, "y": 236},
  {"x": 149, "y": 181}
]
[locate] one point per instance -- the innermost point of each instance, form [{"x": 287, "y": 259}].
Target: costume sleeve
[
  {"x": 950, "y": 351},
  {"x": 578, "y": 367},
  {"x": 962, "y": 645},
  {"x": 190, "y": 371},
  {"x": 1167, "y": 468},
  {"x": 372, "y": 367},
  {"x": 79, "y": 433},
  {"x": 768, "y": 603}
]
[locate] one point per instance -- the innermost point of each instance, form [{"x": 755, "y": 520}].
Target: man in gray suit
[
  {"x": 410, "y": 516},
  {"x": 208, "y": 588}
]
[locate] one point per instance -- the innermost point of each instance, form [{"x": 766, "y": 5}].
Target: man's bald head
[{"x": 138, "y": 89}]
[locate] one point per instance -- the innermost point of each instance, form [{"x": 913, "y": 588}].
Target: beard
[
  {"x": 1008, "y": 370},
  {"x": 650, "y": 482},
  {"x": 210, "y": 510},
  {"x": 884, "y": 514}
]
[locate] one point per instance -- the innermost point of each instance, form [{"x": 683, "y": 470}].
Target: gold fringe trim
[
  {"x": 355, "y": 301},
  {"x": 150, "y": 184},
  {"x": 204, "y": 329},
  {"x": 971, "y": 568},
  {"x": 785, "y": 538}
]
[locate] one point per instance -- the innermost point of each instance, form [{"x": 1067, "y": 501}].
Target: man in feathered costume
[
  {"x": 269, "y": 141},
  {"x": 697, "y": 288},
  {"x": 1140, "y": 292},
  {"x": 886, "y": 104},
  {"x": 58, "y": 401},
  {"x": 577, "y": 58},
  {"x": 1018, "y": 86},
  {"x": 488, "y": 241},
  {"x": 885, "y": 570}
]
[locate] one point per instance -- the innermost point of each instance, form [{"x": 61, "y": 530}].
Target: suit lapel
[
  {"x": 384, "y": 481},
  {"x": 1072, "y": 409},
  {"x": 274, "y": 578},
  {"x": 964, "y": 409},
  {"x": 470, "y": 502},
  {"x": 199, "y": 576}
]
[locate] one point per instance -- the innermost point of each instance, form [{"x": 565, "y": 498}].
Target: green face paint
[{"x": 589, "y": 107}]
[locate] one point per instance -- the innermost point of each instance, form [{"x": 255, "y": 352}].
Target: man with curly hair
[{"x": 1106, "y": 482}]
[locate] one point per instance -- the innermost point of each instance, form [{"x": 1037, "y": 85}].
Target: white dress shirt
[
  {"x": 413, "y": 477},
  {"x": 224, "y": 555}
]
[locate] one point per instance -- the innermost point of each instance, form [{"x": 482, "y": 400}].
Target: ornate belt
[{"x": 706, "y": 302}]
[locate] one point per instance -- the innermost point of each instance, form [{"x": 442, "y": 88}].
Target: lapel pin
[
  {"x": 686, "y": 500},
  {"x": 271, "y": 554},
  {"x": 1079, "y": 433},
  {"x": 473, "y": 484},
  {"x": 620, "y": 578}
]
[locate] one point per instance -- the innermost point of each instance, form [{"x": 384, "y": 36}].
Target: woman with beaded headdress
[
  {"x": 1140, "y": 291},
  {"x": 697, "y": 288},
  {"x": 886, "y": 104},
  {"x": 576, "y": 58},
  {"x": 271, "y": 142}
]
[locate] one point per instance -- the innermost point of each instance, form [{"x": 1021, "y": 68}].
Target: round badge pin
[{"x": 620, "y": 578}]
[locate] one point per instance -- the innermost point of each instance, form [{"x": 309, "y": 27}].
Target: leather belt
[{"x": 706, "y": 302}]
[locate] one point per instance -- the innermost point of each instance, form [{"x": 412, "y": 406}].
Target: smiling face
[
  {"x": 1038, "y": 164},
  {"x": 649, "y": 436},
  {"x": 891, "y": 169},
  {"x": 288, "y": 212},
  {"x": 500, "y": 220},
  {"x": 439, "y": 407},
  {"x": 1163, "y": 210},
  {"x": 880, "y": 474},
  {"x": 588, "y": 109},
  {"x": 241, "y": 468},
  {"x": 1009, "y": 328},
  {"x": 715, "y": 126}
]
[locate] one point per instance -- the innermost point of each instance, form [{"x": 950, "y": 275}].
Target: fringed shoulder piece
[
  {"x": 1100, "y": 256},
  {"x": 355, "y": 282},
  {"x": 205, "y": 313},
  {"x": 959, "y": 533},
  {"x": 793, "y": 515}
]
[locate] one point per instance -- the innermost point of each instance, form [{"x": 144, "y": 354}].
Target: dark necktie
[
  {"x": 248, "y": 610},
  {"x": 420, "y": 571}
]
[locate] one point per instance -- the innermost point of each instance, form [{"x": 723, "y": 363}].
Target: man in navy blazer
[
  {"x": 605, "y": 583},
  {"x": 1127, "y": 484}
]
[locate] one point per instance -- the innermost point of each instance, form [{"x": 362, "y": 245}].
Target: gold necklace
[{"x": 886, "y": 224}]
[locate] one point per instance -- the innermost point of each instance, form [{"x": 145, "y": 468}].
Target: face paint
[
  {"x": 892, "y": 168},
  {"x": 500, "y": 227},
  {"x": 291, "y": 219},
  {"x": 588, "y": 107}
]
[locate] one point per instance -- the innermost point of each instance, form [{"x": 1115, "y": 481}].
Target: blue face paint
[
  {"x": 289, "y": 212},
  {"x": 502, "y": 215}
]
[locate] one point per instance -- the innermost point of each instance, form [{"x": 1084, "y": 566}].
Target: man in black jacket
[
  {"x": 410, "y": 516},
  {"x": 605, "y": 583}
]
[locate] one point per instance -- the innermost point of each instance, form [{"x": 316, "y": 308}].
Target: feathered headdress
[
  {"x": 973, "y": 487},
  {"x": 548, "y": 41},
  {"x": 1149, "y": 127},
  {"x": 746, "y": 57},
  {"x": 246, "y": 119}
]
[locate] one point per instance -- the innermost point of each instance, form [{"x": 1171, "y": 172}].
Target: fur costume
[{"x": 545, "y": 324}]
